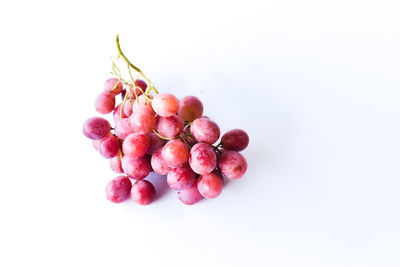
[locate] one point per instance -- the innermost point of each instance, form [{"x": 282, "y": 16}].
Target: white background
[{"x": 315, "y": 83}]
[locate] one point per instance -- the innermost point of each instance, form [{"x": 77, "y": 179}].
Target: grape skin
[
  {"x": 136, "y": 168},
  {"x": 165, "y": 105},
  {"x": 169, "y": 127},
  {"x": 109, "y": 146},
  {"x": 116, "y": 114},
  {"x": 181, "y": 178},
  {"x": 136, "y": 145},
  {"x": 210, "y": 185},
  {"x": 105, "y": 103},
  {"x": 118, "y": 189},
  {"x": 205, "y": 131},
  {"x": 123, "y": 128},
  {"x": 190, "y": 108},
  {"x": 235, "y": 139},
  {"x": 143, "y": 120},
  {"x": 96, "y": 128},
  {"x": 175, "y": 153},
  {"x": 155, "y": 143},
  {"x": 143, "y": 101},
  {"x": 232, "y": 164},
  {"x": 128, "y": 108},
  {"x": 143, "y": 192},
  {"x": 113, "y": 86},
  {"x": 158, "y": 163},
  {"x": 190, "y": 195},
  {"x": 116, "y": 164},
  {"x": 202, "y": 159}
]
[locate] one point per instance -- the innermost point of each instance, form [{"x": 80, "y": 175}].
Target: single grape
[
  {"x": 109, "y": 146},
  {"x": 190, "y": 108},
  {"x": 190, "y": 195},
  {"x": 116, "y": 114},
  {"x": 105, "y": 103},
  {"x": 116, "y": 164},
  {"x": 155, "y": 143},
  {"x": 136, "y": 145},
  {"x": 210, "y": 185},
  {"x": 136, "y": 168},
  {"x": 232, "y": 164},
  {"x": 128, "y": 108},
  {"x": 165, "y": 104},
  {"x": 123, "y": 128},
  {"x": 236, "y": 140},
  {"x": 142, "y": 84},
  {"x": 158, "y": 163},
  {"x": 175, "y": 153},
  {"x": 143, "y": 192},
  {"x": 142, "y": 101},
  {"x": 181, "y": 178},
  {"x": 205, "y": 131},
  {"x": 169, "y": 127},
  {"x": 202, "y": 159},
  {"x": 118, "y": 189},
  {"x": 96, "y": 128},
  {"x": 113, "y": 86},
  {"x": 143, "y": 120}
]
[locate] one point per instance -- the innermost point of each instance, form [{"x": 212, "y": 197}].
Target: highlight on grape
[{"x": 157, "y": 132}]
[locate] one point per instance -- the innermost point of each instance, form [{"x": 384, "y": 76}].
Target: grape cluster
[{"x": 162, "y": 134}]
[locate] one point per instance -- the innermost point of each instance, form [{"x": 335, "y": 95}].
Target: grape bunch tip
[{"x": 156, "y": 131}]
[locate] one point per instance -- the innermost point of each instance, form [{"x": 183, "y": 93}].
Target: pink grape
[
  {"x": 123, "y": 93},
  {"x": 142, "y": 85},
  {"x": 143, "y": 192},
  {"x": 169, "y": 127},
  {"x": 136, "y": 145},
  {"x": 116, "y": 114},
  {"x": 96, "y": 144},
  {"x": 190, "y": 195},
  {"x": 123, "y": 128},
  {"x": 190, "y": 108},
  {"x": 96, "y": 128},
  {"x": 165, "y": 104},
  {"x": 109, "y": 146},
  {"x": 232, "y": 164},
  {"x": 202, "y": 159},
  {"x": 116, "y": 164},
  {"x": 210, "y": 185},
  {"x": 205, "y": 131},
  {"x": 175, "y": 153},
  {"x": 236, "y": 140},
  {"x": 143, "y": 101},
  {"x": 158, "y": 163},
  {"x": 128, "y": 108},
  {"x": 136, "y": 168},
  {"x": 118, "y": 189},
  {"x": 189, "y": 138},
  {"x": 155, "y": 143},
  {"x": 181, "y": 178},
  {"x": 143, "y": 120},
  {"x": 105, "y": 103},
  {"x": 113, "y": 86}
]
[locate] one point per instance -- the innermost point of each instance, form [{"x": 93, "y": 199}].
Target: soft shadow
[{"x": 160, "y": 183}]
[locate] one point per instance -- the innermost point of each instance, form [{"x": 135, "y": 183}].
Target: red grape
[
  {"x": 190, "y": 108},
  {"x": 109, "y": 146},
  {"x": 116, "y": 164},
  {"x": 210, "y": 185},
  {"x": 136, "y": 168},
  {"x": 116, "y": 114},
  {"x": 128, "y": 108},
  {"x": 155, "y": 143},
  {"x": 143, "y": 120},
  {"x": 113, "y": 86},
  {"x": 232, "y": 164},
  {"x": 175, "y": 153},
  {"x": 189, "y": 138},
  {"x": 123, "y": 128},
  {"x": 136, "y": 145},
  {"x": 191, "y": 195},
  {"x": 142, "y": 84},
  {"x": 143, "y": 101},
  {"x": 236, "y": 140},
  {"x": 96, "y": 144},
  {"x": 205, "y": 131},
  {"x": 118, "y": 189},
  {"x": 96, "y": 128},
  {"x": 143, "y": 192},
  {"x": 202, "y": 158},
  {"x": 158, "y": 163},
  {"x": 181, "y": 178},
  {"x": 169, "y": 127},
  {"x": 105, "y": 103},
  {"x": 165, "y": 104}
]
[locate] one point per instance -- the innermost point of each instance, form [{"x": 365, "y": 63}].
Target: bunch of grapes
[{"x": 162, "y": 134}]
